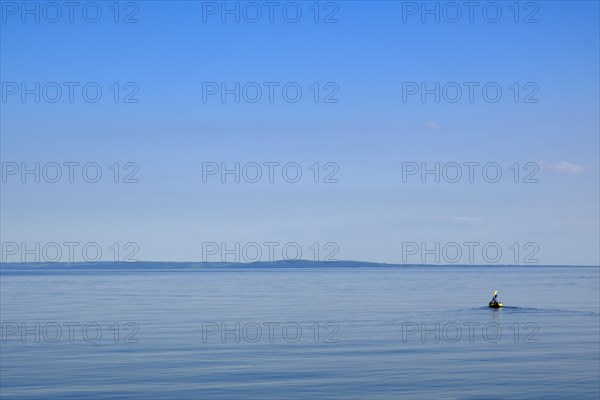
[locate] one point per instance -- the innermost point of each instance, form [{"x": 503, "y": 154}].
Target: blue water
[{"x": 360, "y": 333}]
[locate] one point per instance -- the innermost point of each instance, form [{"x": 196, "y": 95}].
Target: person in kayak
[{"x": 495, "y": 298}]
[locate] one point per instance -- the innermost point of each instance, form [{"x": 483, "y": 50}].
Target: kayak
[{"x": 495, "y": 303}]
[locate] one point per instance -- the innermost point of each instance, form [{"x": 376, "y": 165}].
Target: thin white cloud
[
  {"x": 466, "y": 220},
  {"x": 432, "y": 125},
  {"x": 564, "y": 167}
]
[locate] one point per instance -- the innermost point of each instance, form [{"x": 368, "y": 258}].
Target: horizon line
[{"x": 291, "y": 263}]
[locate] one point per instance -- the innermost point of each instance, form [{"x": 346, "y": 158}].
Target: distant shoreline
[{"x": 282, "y": 264}]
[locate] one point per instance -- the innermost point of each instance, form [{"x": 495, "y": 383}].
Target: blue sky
[{"x": 368, "y": 55}]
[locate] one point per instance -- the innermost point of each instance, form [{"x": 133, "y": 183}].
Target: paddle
[{"x": 494, "y": 302}]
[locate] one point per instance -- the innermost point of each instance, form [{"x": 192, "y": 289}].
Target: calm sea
[{"x": 364, "y": 333}]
